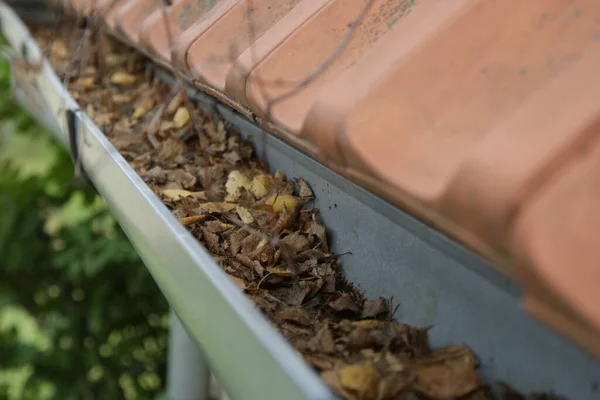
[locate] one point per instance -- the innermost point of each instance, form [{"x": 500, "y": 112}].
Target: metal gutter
[{"x": 436, "y": 281}]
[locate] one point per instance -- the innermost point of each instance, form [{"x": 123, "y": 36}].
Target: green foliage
[{"x": 101, "y": 320}]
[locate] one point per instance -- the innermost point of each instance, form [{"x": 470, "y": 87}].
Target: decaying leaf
[
  {"x": 244, "y": 215},
  {"x": 139, "y": 112},
  {"x": 277, "y": 203},
  {"x": 176, "y": 194},
  {"x": 322, "y": 342},
  {"x": 304, "y": 192},
  {"x": 280, "y": 176},
  {"x": 123, "y": 78},
  {"x": 113, "y": 60},
  {"x": 175, "y": 104},
  {"x": 235, "y": 182},
  {"x": 181, "y": 118},
  {"x": 187, "y": 221},
  {"x": 362, "y": 379},
  {"x": 345, "y": 303},
  {"x": 216, "y": 208},
  {"x": 238, "y": 282},
  {"x": 448, "y": 373},
  {"x": 87, "y": 83},
  {"x": 295, "y": 243},
  {"x": 375, "y": 308},
  {"x": 296, "y": 315},
  {"x": 59, "y": 50},
  {"x": 260, "y": 185}
]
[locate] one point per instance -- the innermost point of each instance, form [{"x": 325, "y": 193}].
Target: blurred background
[{"x": 80, "y": 316}]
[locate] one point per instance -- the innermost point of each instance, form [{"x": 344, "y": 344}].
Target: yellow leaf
[
  {"x": 235, "y": 181},
  {"x": 59, "y": 50},
  {"x": 87, "y": 83},
  {"x": 279, "y": 202},
  {"x": 123, "y": 79},
  {"x": 176, "y": 194},
  {"x": 139, "y": 112},
  {"x": 280, "y": 176},
  {"x": 181, "y": 118},
  {"x": 363, "y": 379},
  {"x": 367, "y": 323},
  {"x": 261, "y": 185},
  {"x": 245, "y": 215},
  {"x": 113, "y": 59}
]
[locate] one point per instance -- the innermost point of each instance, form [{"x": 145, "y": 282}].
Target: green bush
[{"x": 80, "y": 316}]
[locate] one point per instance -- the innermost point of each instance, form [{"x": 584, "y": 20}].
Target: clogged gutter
[{"x": 262, "y": 230}]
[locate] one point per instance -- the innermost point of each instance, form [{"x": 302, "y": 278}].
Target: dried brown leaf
[
  {"x": 304, "y": 191},
  {"x": 296, "y": 315},
  {"x": 187, "y": 221},
  {"x": 344, "y": 304},
  {"x": 448, "y": 373},
  {"x": 322, "y": 342},
  {"x": 375, "y": 308}
]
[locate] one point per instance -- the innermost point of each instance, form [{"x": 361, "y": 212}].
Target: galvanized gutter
[{"x": 435, "y": 281}]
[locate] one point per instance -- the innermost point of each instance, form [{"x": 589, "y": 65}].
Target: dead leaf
[
  {"x": 187, "y": 221},
  {"x": 238, "y": 282},
  {"x": 260, "y": 185},
  {"x": 123, "y": 78},
  {"x": 59, "y": 50},
  {"x": 216, "y": 208},
  {"x": 280, "y": 176},
  {"x": 304, "y": 192},
  {"x": 298, "y": 293},
  {"x": 211, "y": 240},
  {"x": 244, "y": 215},
  {"x": 176, "y": 194},
  {"x": 296, "y": 315},
  {"x": 295, "y": 243},
  {"x": 322, "y": 342},
  {"x": 448, "y": 373},
  {"x": 217, "y": 226},
  {"x": 344, "y": 304},
  {"x": 235, "y": 182},
  {"x": 86, "y": 83},
  {"x": 139, "y": 112},
  {"x": 236, "y": 239},
  {"x": 277, "y": 203},
  {"x": 375, "y": 308},
  {"x": 112, "y": 60},
  {"x": 174, "y": 104},
  {"x": 363, "y": 379},
  {"x": 181, "y": 118}
]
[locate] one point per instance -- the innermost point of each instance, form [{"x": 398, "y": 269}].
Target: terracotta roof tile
[
  {"x": 183, "y": 16},
  {"x": 237, "y": 78},
  {"x": 216, "y": 49},
  {"x": 557, "y": 236},
  {"x": 310, "y": 46},
  {"x": 130, "y": 16}
]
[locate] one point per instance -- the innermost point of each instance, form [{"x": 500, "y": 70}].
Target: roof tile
[
  {"x": 214, "y": 52},
  {"x": 557, "y": 234},
  {"x": 311, "y": 47},
  {"x": 183, "y": 16}
]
